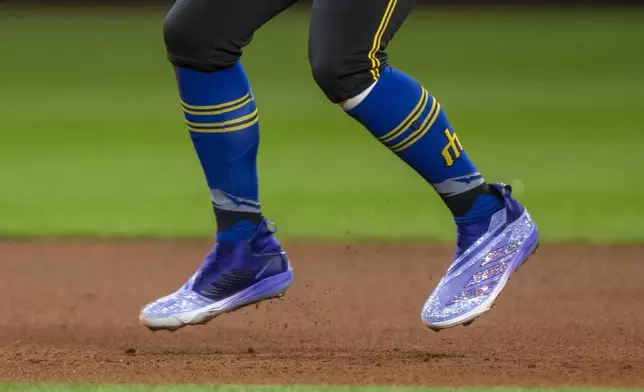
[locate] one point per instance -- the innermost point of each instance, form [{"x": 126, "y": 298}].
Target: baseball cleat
[
  {"x": 482, "y": 265},
  {"x": 231, "y": 277}
]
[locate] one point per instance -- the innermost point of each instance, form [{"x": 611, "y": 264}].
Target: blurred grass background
[{"x": 92, "y": 140}]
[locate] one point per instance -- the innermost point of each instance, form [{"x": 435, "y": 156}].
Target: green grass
[
  {"x": 232, "y": 388},
  {"x": 92, "y": 140}
]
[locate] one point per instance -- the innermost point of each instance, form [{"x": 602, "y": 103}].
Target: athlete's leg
[
  {"x": 347, "y": 53},
  {"x": 495, "y": 234},
  {"x": 205, "y": 39}
]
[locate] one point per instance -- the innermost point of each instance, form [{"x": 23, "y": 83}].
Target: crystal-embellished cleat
[
  {"x": 481, "y": 270},
  {"x": 231, "y": 277}
]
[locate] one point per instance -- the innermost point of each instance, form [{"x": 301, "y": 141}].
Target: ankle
[
  {"x": 240, "y": 231},
  {"x": 482, "y": 210}
]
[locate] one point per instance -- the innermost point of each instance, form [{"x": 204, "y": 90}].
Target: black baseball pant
[{"x": 347, "y": 38}]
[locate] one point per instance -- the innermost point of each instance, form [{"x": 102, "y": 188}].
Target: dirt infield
[{"x": 572, "y": 316}]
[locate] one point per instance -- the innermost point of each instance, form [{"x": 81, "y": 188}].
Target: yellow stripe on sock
[
  {"x": 246, "y": 97},
  {"x": 230, "y": 129},
  {"x": 427, "y": 124},
  {"x": 416, "y": 113},
  {"x": 227, "y": 109},
  {"x": 224, "y": 126},
  {"x": 377, "y": 39}
]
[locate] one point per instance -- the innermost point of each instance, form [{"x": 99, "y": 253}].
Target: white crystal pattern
[
  {"x": 470, "y": 294},
  {"x": 178, "y": 302},
  {"x": 489, "y": 273},
  {"x": 504, "y": 251}
]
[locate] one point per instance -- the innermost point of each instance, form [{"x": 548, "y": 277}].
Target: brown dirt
[{"x": 572, "y": 316}]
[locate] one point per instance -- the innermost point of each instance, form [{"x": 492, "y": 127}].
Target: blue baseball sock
[
  {"x": 403, "y": 116},
  {"x": 222, "y": 118}
]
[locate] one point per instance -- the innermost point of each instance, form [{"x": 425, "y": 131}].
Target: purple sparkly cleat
[
  {"x": 488, "y": 253},
  {"x": 231, "y": 277}
]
